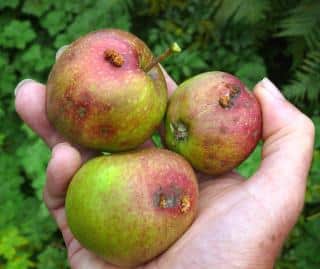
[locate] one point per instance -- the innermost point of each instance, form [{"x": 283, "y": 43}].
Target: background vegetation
[{"x": 249, "y": 38}]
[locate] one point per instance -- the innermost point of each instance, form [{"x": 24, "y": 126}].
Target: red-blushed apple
[
  {"x": 130, "y": 207},
  {"x": 214, "y": 121},
  {"x": 103, "y": 94}
]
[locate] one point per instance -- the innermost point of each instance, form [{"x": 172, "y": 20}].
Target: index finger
[{"x": 30, "y": 104}]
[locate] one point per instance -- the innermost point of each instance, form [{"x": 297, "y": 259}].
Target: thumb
[{"x": 286, "y": 155}]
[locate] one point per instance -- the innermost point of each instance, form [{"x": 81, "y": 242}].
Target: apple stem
[{"x": 174, "y": 48}]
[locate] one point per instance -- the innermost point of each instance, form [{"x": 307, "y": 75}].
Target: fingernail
[
  {"x": 20, "y": 84},
  {"x": 60, "y": 51},
  {"x": 57, "y": 146},
  {"x": 271, "y": 88}
]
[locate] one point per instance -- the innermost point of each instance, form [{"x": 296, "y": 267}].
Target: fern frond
[
  {"x": 302, "y": 20},
  {"x": 244, "y": 11},
  {"x": 313, "y": 38},
  {"x": 306, "y": 82}
]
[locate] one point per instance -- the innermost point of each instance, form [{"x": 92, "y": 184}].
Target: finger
[
  {"x": 60, "y": 51},
  {"x": 286, "y": 157},
  {"x": 30, "y": 105},
  {"x": 64, "y": 162}
]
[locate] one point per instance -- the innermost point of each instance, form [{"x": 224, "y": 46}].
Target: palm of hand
[
  {"x": 230, "y": 223},
  {"x": 240, "y": 224}
]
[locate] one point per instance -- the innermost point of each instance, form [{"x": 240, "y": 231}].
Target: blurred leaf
[
  {"x": 52, "y": 258},
  {"x": 10, "y": 4},
  {"x": 55, "y": 21},
  {"x": 251, "y": 164},
  {"x": 244, "y": 11},
  {"x": 36, "y": 7},
  {"x": 251, "y": 73},
  {"x": 156, "y": 139},
  {"x": 9, "y": 241},
  {"x": 17, "y": 34}
]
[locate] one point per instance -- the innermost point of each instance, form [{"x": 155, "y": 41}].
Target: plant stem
[{"x": 174, "y": 48}]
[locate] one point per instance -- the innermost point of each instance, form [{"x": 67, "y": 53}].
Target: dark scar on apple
[
  {"x": 227, "y": 101},
  {"x": 180, "y": 130},
  {"x": 172, "y": 198},
  {"x": 114, "y": 57}
]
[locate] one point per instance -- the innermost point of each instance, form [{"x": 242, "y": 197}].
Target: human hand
[{"x": 240, "y": 224}]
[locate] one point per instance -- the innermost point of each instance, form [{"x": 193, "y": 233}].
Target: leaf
[
  {"x": 36, "y": 7},
  {"x": 10, "y": 240},
  {"x": 102, "y": 14},
  {"x": 35, "y": 59},
  {"x": 306, "y": 79},
  {"x": 156, "y": 139},
  {"x": 301, "y": 20},
  {"x": 52, "y": 258},
  {"x": 17, "y": 34},
  {"x": 251, "y": 72},
  {"x": 34, "y": 167},
  {"x": 55, "y": 21},
  {"x": 251, "y": 164},
  {"x": 8, "y": 76},
  {"x": 244, "y": 11},
  {"x": 9, "y": 4}
]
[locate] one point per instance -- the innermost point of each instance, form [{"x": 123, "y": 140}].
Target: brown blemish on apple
[
  {"x": 227, "y": 101},
  {"x": 114, "y": 57},
  {"x": 235, "y": 119},
  {"x": 211, "y": 155},
  {"x": 224, "y": 163},
  {"x": 224, "y": 101},
  {"x": 82, "y": 111},
  {"x": 235, "y": 91},
  {"x": 167, "y": 197},
  {"x": 179, "y": 130},
  {"x": 76, "y": 109},
  {"x": 223, "y": 129},
  {"x": 185, "y": 204},
  {"x": 162, "y": 201},
  {"x": 104, "y": 130}
]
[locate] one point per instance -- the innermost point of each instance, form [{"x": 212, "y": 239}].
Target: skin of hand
[{"x": 240, "y": 223}]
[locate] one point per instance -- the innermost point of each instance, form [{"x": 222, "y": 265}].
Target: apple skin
[
  {"x": 214, "y": 121},
  {"x": 130, "y": 207},
  {"x": 103, "y": 104}
]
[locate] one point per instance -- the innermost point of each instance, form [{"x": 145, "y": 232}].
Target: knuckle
[
  {"x": 309, "y": 126},
  {"x": 305, "y": 124}
]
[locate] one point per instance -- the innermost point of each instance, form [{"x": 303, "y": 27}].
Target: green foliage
[
  {"x": 301, "y": 26},
  {"x": 252, "y": 39},
  {"x": 30, "y": 33},
  {"x": 11, "y": 35},
  {"x": 249, "y": 166},
  {"x": 243, "y": 11}
]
